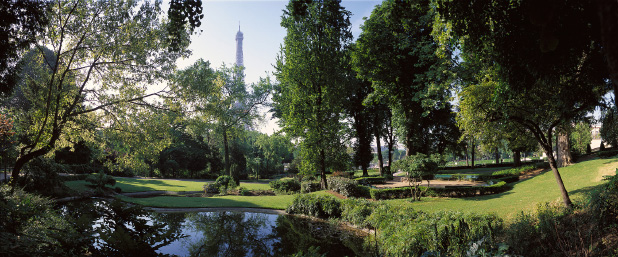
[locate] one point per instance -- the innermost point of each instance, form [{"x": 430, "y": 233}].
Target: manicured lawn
[
  {"x": 269, "y": 202},
  {"x": 129, "y": 185},
  {"x": 526, "y": 195}
]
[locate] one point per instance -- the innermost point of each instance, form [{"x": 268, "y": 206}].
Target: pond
[{"x": 117, "y": 228}]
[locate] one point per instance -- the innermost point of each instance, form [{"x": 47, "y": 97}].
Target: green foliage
[
  {"x": 313, "y": 251},
  {"x": 285, "y": 185},
  {"x": 345, "y": 186},
  {"x": 396, "y": 52},
  {"x": 31, "y": 227},
  {"x": 580, "y": 137},
  {"x": 607, "y": 153},
  {"x": 321, "y": 206},
  {"x": 403, "y": 231},
  {"x": 310, "y": 186},
  {"x": 99, "y": 181},
  {"x": 211, "y": 188},
  {"x": 244, "y": 191},
  {"x": 417, "y": 167},
  {"x": 371, "y": 180},
  {"x": 609, "y": 126},
  {"x": 356, "y": 211},
  {"x": 311, "y": 69},
  {"x": 454, "y": 191},
  {"x": 43, "y": 178},
  {"x": 604, "y": 201}
]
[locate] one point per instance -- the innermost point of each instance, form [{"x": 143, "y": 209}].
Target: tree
[
  {"x": 95, "y": 62},
  {"x": 417, "y": 167},
  {"x": 396, "y": 51},
  {"x": 220, "y": 98},
  {"x": 362, "y": 124},
  {"x": 580, "y": 137},
  {"x": 21, "y": 23},
  {"x": 546, "y": 76},
  {"x": 311, "y": 68},
  {"x": 609, "y": 126}
]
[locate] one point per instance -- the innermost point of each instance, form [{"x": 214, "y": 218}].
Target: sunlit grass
[
  {"x": 526, "y": 195},
  {"x": 130, "y": 185}
]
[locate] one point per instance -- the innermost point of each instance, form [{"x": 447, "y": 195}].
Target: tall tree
[
  {"x": 546, "y": 75},
  {"x": 103, "y": 54},
  {"x": 220, "y": 98},
  {"x": 21, "y": 23},
  {"x": 361, "y": 123},
  {"x": 398, "y": 54},
  {"x": 311, "y": 69}
]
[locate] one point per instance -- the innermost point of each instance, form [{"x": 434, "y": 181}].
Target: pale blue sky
[{"x": 263, "y": 35}]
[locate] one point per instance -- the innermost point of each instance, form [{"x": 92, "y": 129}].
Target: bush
[
  {"x": 390, "y": 193},
  {"x": 285, "y": 185},
  {"x": 404, "y": 231},
  {"x": 371, "y": 180},
  {"x": 244, "y": 191},
  {"x": 211, "y": 188},
  {"x": 404, "y": 192},
  {"x": 321, "y": 206},
  {"x": 98, "y": 181},
  {"x": 344, "y": 186},
  {"x": 223, "y": 180},
  {"x": 310, "y": 186},
  {"x": 608, "y": 153},
  {"x": 356, "y": 211},
  {"x": 344, "y": 174}
]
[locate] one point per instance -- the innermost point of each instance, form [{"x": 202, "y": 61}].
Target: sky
[{"x": 263, "y": 36}]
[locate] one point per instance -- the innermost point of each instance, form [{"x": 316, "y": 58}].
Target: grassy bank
[
  {"x": 130, "y": 185},
  {"x": 527, "y": 194}
]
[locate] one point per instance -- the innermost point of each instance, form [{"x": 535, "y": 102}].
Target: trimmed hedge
[
  {"x": 607, "y": 153},
  {"x": 371, "y": 180},
  {"x": 404, "y": 192},
  {"x": 344, "y": 186},
  {"x": 321, "y": 206},
  {"x": 310, "y": 186},
  {"x": 285, "y": 185}
]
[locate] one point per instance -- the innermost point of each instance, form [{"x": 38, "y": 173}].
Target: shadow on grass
[
  {"x": 139, "y": 185},
  {"x": 193, "y": 202}
]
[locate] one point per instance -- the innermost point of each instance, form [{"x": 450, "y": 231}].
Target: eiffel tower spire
[{"x": 239, "y": 38}]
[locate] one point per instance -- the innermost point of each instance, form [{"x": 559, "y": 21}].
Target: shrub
[
  {"x": 211, "y": 188},
  {"x": 310, "y": 186},
  {"x": 98, "y": 182},
  {"x": 356, "y": 211},
  {"x": 321, "y": 206},
  {"x": 344, "y": 174},
  {"x": 371, "y": 180},
  {"x": 404, "y": 231},
  {"x": 608, "y": 153},
  {"x": 404, "y": 192},
  {"x": 223, "y": 180},
  {"x": 345, "y": 186},
  {"x": 244, "y": 191},
  {"x": 285, "y": 185},
  {"x": 390, "y": 193}
]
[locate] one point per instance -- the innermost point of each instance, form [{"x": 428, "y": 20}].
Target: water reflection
[{"x": 117, "y": 229}]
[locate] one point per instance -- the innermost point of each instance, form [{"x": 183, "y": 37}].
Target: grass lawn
[
  {"x": 130, "y": 185},
  {"x": 526, "y": 195},
  {"x": 371, "y": 172},
  {"x": 279, "y": 202},
  {"x": 475, "y": 170}
]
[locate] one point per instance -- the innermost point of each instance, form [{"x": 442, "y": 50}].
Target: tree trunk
[
  {"x": 563, "y": 151},
  {"x": 472, "y": 152},
  {"x": 324, "y": 183},
  {"x": 552, "y": 164},
  {"x": 517, "y": 158},
  {"x": 379, "y": 152},
  {"x": 226, "y": 155},
  {"x": 497, "y": 156}
]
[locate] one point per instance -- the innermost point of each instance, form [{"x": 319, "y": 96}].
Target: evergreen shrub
[
  {"x": 321, "y": 206},
  {"x": 285, "y": 185}
]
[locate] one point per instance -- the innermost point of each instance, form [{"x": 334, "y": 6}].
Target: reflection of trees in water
[
  {"x": 229, "y": 234},
  {"x": 117, "y": 229},
  {"x": 294, "y": 234}
]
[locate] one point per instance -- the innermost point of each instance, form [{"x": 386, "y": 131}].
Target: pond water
[{"x": 118, "y": 228}]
